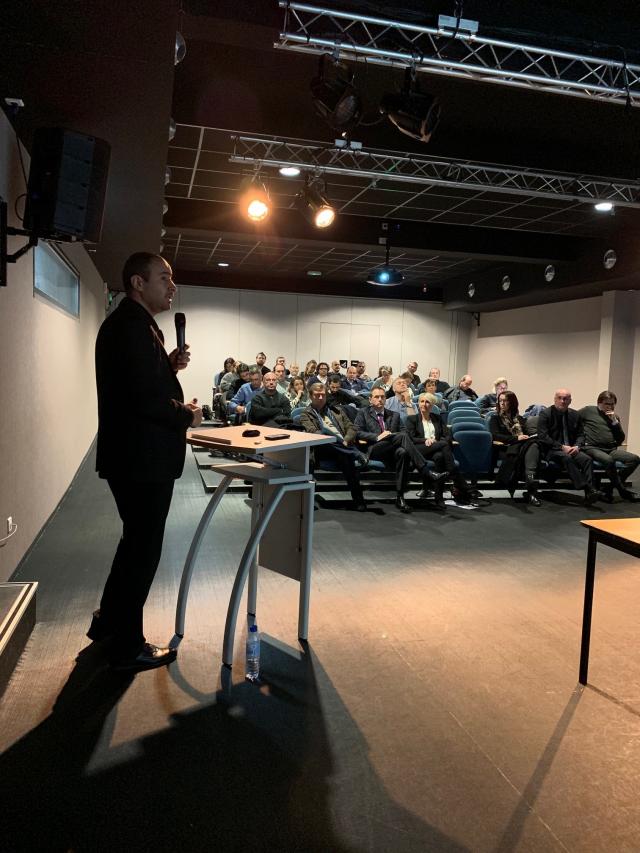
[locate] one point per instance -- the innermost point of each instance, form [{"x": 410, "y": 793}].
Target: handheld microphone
[{"x": 181, "y": 323}]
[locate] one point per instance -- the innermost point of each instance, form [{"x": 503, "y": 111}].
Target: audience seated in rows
[
  {"x": 269, "y": 407},
  {"x": 319, "y": 417},
  {"x": 519, "y": 454},
  {"x": 487, "y": 403},
  {"x": 426, "y": 431},
  {"x": 603, "y": 435},
  {"x": 462, "y": 391},
  {"x": 389, "y": 443}
]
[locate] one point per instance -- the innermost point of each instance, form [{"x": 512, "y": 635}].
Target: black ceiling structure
[{"x": 111, "y": 73}]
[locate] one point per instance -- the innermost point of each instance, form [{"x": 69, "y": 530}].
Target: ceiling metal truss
[
  {"x": 314, "y": 29},
  {"x": 418, "y": 169}
]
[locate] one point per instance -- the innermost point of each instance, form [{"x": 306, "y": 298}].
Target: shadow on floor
[{"x": 253, "y": 770}]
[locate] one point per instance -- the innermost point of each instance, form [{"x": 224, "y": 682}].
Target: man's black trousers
[{"x": 143, "y": 508}]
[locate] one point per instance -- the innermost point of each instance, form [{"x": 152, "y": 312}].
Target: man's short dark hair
[
  {"x": 138, "y": 264},
  {"x": 335, "y": 377},
  {"x": 607, "y": 397},
  {"x": 241, "y": 368}
]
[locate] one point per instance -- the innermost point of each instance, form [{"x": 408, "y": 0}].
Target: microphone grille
[{"x": 180, "y": 320}]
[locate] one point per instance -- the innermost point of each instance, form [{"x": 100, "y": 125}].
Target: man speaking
[{"x": 142, "y": 423}]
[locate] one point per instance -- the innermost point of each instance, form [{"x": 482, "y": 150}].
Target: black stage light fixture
[
  {"x": 334, "y": 95},
  {"x": 315, "y": 205},
  {"x": 386, "y": 275},
  {"x": 413, "y": 112}
]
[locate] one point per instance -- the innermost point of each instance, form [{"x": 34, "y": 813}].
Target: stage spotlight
[
  {"x": 334, "y": 96},
  {"x": 386, "y": 276},
  {"x": 604, "y": 207},
  {"x": 316, "y": 206},
  {"x": 289, "y": 171},
  {"x": 255, "y": 203},
  {"x": 414, "y": 113}
]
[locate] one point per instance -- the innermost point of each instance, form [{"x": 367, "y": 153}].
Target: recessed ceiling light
[
  {"x": 505, "y": 283},
  {"x": 471, "y": 290},
  {"x": 222, "y": 264},
  {"x": 549, "y": 273},
  {"x": 610, "y": 259},
  {"x": 604, "y": 206},
  {"x": 314, "y": 272},
  {"x": 289, "y": 171}
]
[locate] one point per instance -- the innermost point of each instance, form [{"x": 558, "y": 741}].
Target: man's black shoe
[
  {"x": 466, "y": 500},
  {"x": 360, "y": 506},
  {"x": 533, "y": 500},
  {"x": 591, "y": 496},
  {"x": 628, "y": 495},
  {"x": 402, "y": 505},
  {"x": 434, "y": 476},
  {"x": 149, "y": 658},
  {"x": 98, "y": 631},
  {"x": 439, "y": 502},
  {"x": 423, "y": 494}
]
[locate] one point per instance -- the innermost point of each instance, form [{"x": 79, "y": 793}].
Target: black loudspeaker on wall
[{"x": 67, "y": 185}]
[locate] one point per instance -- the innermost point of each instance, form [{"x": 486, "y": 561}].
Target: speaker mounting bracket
[{"x": 8, "y": 230}]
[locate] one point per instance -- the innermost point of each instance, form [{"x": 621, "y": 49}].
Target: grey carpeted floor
[{"x": 434, "y": 708}]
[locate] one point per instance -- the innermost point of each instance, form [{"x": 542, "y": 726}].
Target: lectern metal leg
[
  {"x": 243, "y": 570},
  {"x": 588, "y": 607},
  {"x": 194, "y": 549},
  {"x": 306, "y": 534},
  {"x": 252, "y": 589}
]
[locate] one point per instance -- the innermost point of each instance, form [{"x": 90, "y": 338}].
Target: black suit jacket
[
  {"x": 142, "y": 420},
  {"x": 368, "y": 428},
  {"x": 550, "y": 432},
  {"x": 416, "y": 430}
]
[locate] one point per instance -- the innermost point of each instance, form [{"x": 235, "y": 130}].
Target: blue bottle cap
[{"x": 253, "y": 628}]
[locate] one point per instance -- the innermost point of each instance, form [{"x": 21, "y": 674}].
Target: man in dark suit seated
[
  {"x": 603, "y": 437},
  {"x": 561, "y": 438},
  {"x": 426, "y": 431},
  {"x": 319, "y": 417},
  {"x": 389, "y": 443},
  {"x": 269, "y": 407}
]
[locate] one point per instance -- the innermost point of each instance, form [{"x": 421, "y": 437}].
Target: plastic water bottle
[{"x": 253, "y": 654}]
